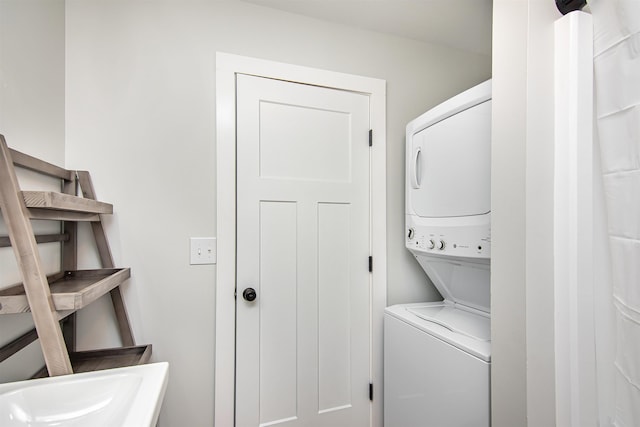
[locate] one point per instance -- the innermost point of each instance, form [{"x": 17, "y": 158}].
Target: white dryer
[{"x": 437, "y": 355}]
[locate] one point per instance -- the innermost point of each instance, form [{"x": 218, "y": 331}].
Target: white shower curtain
[{"x": 617, "y": 93}]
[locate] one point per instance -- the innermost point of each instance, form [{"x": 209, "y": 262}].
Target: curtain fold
[{"x": 617, "y": 93}]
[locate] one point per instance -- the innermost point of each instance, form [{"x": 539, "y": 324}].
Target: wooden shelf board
[
  {"x": 96, "y": 360},
  {"x": 64, "y": 202},
  {"x": 71, "y": 290},
  {"x": 55, "y": 215}
]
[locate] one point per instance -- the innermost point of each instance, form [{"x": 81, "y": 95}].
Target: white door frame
[{"x": 227, "y": 66}]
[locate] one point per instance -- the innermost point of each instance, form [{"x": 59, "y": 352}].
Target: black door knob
[{"x": 249, "y": 294}]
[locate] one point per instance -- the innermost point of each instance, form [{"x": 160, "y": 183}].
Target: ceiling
[{"x": 460, "y": 24}]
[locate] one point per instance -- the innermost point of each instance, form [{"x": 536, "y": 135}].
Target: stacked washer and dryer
[{"x": 437, "y": 355}]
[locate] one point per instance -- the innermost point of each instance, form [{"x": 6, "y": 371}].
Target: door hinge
[
  {"x": 370, "y": 137},
  {"x": 371, "y": 391},
  {"x": 370, "y": 264}
]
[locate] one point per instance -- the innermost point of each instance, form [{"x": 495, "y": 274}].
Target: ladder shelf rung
[{"x": 5, "y": 241}]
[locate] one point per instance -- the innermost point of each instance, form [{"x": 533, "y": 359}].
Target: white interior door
[{"x": 303, "y": 242}]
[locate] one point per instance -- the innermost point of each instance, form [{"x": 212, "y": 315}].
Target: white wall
[
  {"x": 32, "y": 121},
  {"x": 140, "y": 115},
  {"x": 32, "y": 77},
  {"x": 523, "y": 377}
]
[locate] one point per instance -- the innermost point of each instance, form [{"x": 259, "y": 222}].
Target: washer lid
[
  {"x": 459, "y": 280},
  {"x": 456, "y": 320},
  {"x": 463, "y": 328}
]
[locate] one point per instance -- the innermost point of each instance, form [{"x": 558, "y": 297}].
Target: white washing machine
[{"x": 437, "y": 355}]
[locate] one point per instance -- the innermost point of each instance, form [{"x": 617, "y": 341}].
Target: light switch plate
[{"x": 203, "y": 250}]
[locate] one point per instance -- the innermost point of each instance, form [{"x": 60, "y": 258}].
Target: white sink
[{"x": 130, "y": 396}]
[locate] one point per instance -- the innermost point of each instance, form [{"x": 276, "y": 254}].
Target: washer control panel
[{"x": 471, "y": 241}]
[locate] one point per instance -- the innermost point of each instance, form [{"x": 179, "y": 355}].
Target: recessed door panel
[
  {"x": 334, "y": 300},
  {"x": 290, "y": 150},
  {"x": 278, "y": 335}
]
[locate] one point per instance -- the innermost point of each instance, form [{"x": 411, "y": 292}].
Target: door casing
[{"x": 227, "y": 66}]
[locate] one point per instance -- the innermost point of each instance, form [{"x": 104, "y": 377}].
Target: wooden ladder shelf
[{"x": 53, "y": 300}]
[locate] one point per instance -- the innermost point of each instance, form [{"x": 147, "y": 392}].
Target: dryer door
[{"x": 449, "y": 165}]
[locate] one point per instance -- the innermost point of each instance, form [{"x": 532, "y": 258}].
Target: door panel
[
  {"x": 324, "y": 155},
  {"x": 303, "y": 241},
  {"x": 278, "y": 310},
  {"x": 334, "y": 388}
]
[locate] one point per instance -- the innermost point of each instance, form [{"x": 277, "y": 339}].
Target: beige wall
[{"x": 140, "y": 115}]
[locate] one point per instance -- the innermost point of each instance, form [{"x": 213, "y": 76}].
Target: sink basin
[{"x": 130, "y": 396}]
